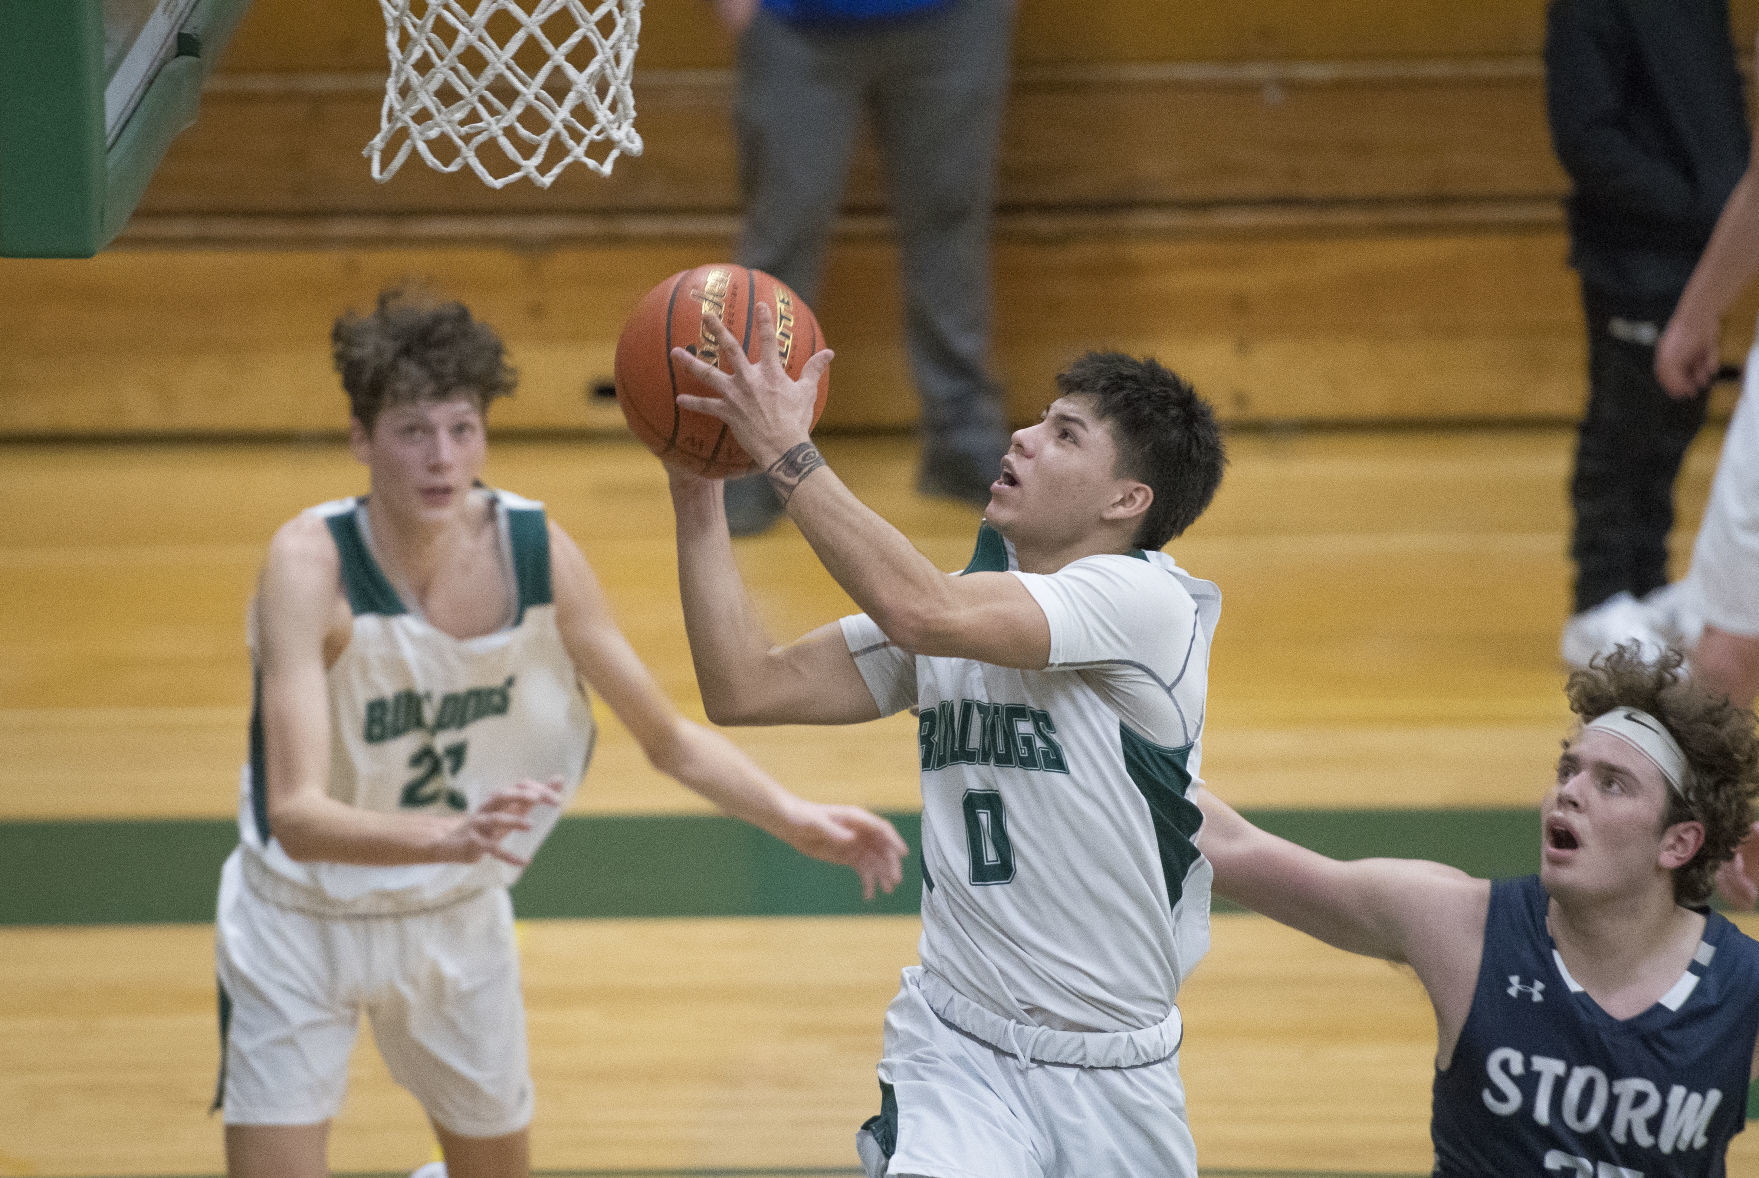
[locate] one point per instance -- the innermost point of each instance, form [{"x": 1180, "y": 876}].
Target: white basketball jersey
[
  {"x": 1062, "y": 884},
  {"x": 422, "y": 721}
]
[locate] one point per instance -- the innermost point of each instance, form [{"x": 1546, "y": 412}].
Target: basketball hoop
[{"x": 516, "y": 89}]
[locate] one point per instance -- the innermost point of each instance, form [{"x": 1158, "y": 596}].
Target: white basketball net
[{"x": 456, "y": 95}]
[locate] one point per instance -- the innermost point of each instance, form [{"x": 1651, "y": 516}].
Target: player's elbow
[
  {"x": 921, "y": 627},
  {"x": 729, "y": 710},
  {"x": 297, "y": 839},
  {"x": 718, "y": 711},
  {"x": 719, "y": 700},
  {"x": 736, "y": 694}
]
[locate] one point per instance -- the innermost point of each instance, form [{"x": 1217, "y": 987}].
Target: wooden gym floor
[{"x": 1385, "y": 674}]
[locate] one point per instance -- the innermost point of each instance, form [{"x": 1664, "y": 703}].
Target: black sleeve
[{"x": 1587, "y": 51}]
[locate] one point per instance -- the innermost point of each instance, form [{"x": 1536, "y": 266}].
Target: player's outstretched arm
[
  {"x": 986, "y": 616},
  {"x": 1425, "y": 914},
  {"x": 743, "y": 677},
  {"x": 298, "y": 612},
  {"x": 699, "y": 758},
  {"x": 1686, "y": 355}
]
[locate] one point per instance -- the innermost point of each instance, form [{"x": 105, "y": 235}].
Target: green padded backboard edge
[{"x": 62, "y": 195}]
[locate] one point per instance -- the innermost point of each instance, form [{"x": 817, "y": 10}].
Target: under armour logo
[{"x": 1516, "y": 989}]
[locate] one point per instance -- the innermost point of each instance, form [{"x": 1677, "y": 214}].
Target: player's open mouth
[
  {"x": 1006, "y": 478},
  {"x": 1559, "y": 837}
]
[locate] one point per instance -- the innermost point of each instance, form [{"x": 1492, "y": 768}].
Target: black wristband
[{"x": 790, "y": 470}]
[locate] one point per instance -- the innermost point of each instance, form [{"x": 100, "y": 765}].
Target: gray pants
[{"x": 934, "y": 86}]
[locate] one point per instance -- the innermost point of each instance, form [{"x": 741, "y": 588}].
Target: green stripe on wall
[
  {"x": 608, "y": 866},
  {"x": 144, "y": 872},
  {"x": 627, "y": 866},
  {"x": 1487, "y": 843}
]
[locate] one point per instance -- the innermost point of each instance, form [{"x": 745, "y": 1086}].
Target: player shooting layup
[
  {"x": 420, "y": 653},
  {"x": 1060, "y": 688}
]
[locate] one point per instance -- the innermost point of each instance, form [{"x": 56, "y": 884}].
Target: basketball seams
[
  {"x": 671, "y": 366},
  {"x": 811, "y": 351},
  {"x": 750, "y": 309},
  {"x": 627, "y": 375},
  {"x": 641, "y": 423}
]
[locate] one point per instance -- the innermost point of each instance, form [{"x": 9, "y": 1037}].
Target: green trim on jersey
[
  {"x": 530, "y": 536},
  {"x": 225, "y": 1028},
  {"x": 259, "y": 780},
  {"x": 1160, "y": 773},
  {"x": 368, "y": 590},
  {"x": 883, "y": 1127},
  {"x": 991, "y": 554}
]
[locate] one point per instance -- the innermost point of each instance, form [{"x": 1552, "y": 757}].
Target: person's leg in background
[
  {"x": 938, "y": 108},
  {"x": 1629, "y": 447},
  {"x": 796, "y": 112}
]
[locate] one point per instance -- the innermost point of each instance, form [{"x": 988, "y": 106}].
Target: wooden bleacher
[{"x": 1322, "y": 212}]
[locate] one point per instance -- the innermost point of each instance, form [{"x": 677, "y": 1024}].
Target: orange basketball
[{"x": 670, "y": 316}]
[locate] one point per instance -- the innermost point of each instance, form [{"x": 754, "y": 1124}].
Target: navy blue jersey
[{"x": 1544, "y": 1082}]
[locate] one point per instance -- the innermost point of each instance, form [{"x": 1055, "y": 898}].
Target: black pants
[{"x": 1629, "y": 447}]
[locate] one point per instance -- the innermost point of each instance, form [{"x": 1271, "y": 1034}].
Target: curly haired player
[
  {"x": 1594, "y": 1019},
  {"x": 422, "y": 655}
]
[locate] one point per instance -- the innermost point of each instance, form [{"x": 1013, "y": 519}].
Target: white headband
[{"x": 1650, "y": 737}]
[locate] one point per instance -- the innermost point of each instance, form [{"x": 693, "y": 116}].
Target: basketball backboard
[{"x": 91, "y": 94}]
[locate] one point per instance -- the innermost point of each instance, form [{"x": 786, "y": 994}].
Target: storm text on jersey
[{"x": 1632, "y": 1109}]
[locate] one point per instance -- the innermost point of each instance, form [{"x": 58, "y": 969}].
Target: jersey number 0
[{"x": 986, "y": 835}]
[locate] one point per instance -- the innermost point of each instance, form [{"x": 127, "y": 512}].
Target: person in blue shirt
[
  {"x": 931, "y": 78},
  {"x": 1594, "y": 1019}
]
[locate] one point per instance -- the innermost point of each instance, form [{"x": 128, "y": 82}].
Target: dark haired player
[{"x": 1060, "y": 686}]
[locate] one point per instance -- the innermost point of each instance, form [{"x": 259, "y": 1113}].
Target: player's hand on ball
[
  {"x": 768, "y": 411},
  {"x": 863, "y": 842},
  {"x": 649, "y": 373}
]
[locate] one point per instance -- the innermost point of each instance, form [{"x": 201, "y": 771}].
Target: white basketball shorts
[
  {"x": 952, "y": 1106},
  {"x": 1724, "y": 579},
  {"x": 440, "y": 988}
]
